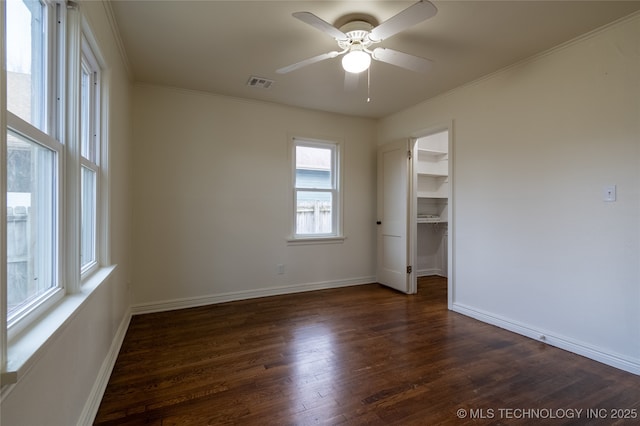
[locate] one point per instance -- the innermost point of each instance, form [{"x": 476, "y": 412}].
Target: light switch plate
[{"x": 609, "y": 194}]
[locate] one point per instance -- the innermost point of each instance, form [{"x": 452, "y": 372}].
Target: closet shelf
[
  {"x": 432, "y": 194},
  {"x": 433, "y": 174},
  {"x": 429, "y": 220},
  {"x": 433, "y": 152}
]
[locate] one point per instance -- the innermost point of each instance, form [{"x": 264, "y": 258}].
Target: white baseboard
[
  {"x": 92, "y": 404},
  {"x": 431, "y": 271},
  {"x": 594, "y": 353},
  {"x": 191, "y": 302}
]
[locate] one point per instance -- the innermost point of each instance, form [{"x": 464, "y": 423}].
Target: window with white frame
[
  {"x": 89, "y": 157},
  {"x": 316, "y": 189},
  {"x": 53, "y": 162},
  {"x": 33, "y": 158}
]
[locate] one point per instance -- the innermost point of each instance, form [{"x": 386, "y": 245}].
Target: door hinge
[
  {"x": 409, "y": 269},
  {"x": 409, "y": 154}
]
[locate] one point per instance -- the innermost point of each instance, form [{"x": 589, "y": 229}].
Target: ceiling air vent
[{"x": 259, "y": 82}]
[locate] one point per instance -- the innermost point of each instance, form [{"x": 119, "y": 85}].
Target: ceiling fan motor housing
[{"x": 357, "y": 33}]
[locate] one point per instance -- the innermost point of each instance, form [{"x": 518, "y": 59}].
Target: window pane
[
  {"x": 313, "y": 212},
  {"x": 31, "y": 222},
  {"x": 26, "y": 61},
  {"x": 86, "y": 118},
  {"x": 88, "y": 225},
  {"x": 313, "y": 167}
]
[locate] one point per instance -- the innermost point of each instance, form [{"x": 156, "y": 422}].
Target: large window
[
  {"x": 316, "y": 191},
  {"x": 53, "y": 162}
]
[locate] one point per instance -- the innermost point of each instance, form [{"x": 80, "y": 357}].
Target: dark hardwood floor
[{"x": 353, "y": 356}]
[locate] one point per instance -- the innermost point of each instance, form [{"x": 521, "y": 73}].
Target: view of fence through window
[
  {"x": 30, "y": 230},
  {"x": 314, "y": 195}
]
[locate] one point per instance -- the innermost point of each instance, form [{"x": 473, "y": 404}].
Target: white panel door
[{"x": 393, "y": 209}]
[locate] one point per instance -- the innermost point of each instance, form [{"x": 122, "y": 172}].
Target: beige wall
[
  {"x": 536, "y": 249},
  {"x": 211, "y": 209}
]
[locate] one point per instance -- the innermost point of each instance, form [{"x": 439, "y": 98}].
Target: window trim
[
  {"x": 103, "y": 197},
  {"x": 337, "y": 236},
  {"x": 3, "y": 200}
]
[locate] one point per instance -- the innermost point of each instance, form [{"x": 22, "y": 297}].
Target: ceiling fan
[{"x": 356, "y": 37}]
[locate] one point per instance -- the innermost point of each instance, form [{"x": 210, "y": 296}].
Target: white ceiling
[{"x": 215, "y": 46}]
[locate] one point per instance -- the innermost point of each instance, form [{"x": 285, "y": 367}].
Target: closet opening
[{"x": 431, "y": 170}]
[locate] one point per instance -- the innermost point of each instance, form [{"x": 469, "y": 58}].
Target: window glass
[
  {"x": 27, "y": 60},
  {"x": 314, "y": 213},
  {"x": 88, "y": 218},
  {"x": 313, "y": 167},
  {"x": 31, "y": 222},
  {"x": 87, "y": 117}
]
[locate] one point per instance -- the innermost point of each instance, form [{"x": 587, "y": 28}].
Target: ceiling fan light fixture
[
  {"x": 360, "y": 31},
  {"x": 356, "y": 61}
]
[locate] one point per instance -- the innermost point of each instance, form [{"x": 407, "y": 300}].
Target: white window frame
[
  {"x": 3, "y": 199},
  {"x": 336, "y": 235},
  {"x": 49, "y": 138}
]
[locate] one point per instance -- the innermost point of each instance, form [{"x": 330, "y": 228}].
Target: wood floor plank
[{"x": 350, "y": 356}]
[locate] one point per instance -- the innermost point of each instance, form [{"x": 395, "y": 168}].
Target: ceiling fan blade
[
  {"x": 418, "y": 12},
  {"x": 308, "y": 61},
  {"x": 324, "y": 26},
  {"x": 404, "y": 60},
  {"x": 351, "y": 81}
]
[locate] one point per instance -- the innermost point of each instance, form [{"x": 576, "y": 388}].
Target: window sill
[
  {"x": 28, "y": 346},
  {"x": 317, "y": 240}
]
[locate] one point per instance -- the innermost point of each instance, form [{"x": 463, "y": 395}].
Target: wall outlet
[{"x": 280, "y": 269}]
